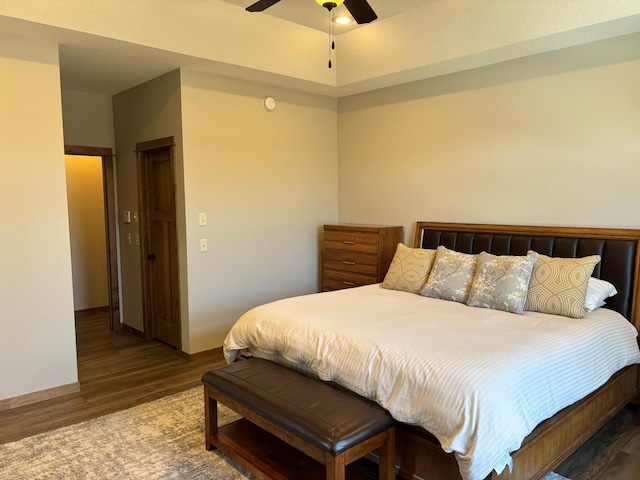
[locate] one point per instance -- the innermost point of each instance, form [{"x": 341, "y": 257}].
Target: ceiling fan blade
[
  {"x": 261, "y": 5},
  {"x": 360, "y": 10}
]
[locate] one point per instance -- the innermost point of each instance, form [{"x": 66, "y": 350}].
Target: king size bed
[{"x": 498, "y": 349}]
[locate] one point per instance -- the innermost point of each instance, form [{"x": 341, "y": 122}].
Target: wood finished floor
[
  {"x": 118, "y": 370},
  {"x": 613, "y": 453}
]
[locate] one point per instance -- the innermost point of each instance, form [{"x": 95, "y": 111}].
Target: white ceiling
[{"x": 108, "y": 47}]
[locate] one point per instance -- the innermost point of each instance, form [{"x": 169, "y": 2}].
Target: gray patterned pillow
[
  {"x": 451, "y": 275},
  {"x": 502, "y": 282}
]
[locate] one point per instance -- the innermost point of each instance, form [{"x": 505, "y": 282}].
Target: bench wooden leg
[
  {"x": 335, "y": 467},
  {"x": 387, "y": 457},
  {"x": 210, "y": 419}
]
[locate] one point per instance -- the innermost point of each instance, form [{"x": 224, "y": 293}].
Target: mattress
[{"x": 479, "y": 380}]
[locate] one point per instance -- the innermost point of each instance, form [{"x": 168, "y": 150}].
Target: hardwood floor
[
  {"x": 613, "y": 453},
  {"x": 118, "y": 370}
]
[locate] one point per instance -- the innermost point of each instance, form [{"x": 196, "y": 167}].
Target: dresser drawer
[
  {"x": 356, "y": 255},
  {"x": 351, "y": 262},
  {"x": 351, "y": 241},
  {"x": 334, "y": 280}
]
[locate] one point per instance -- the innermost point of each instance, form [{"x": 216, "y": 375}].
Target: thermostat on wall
[{"x": 269, "y": 104}]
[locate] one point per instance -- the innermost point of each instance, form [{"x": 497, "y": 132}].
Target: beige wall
[
  {"x": 37, "y": 345},
  {"x": 548, "y": 139},
  {"x": 267, "y": 181},
  {"x": 87, "y": 119},
  {"x": 85, "y": 198},
  {"x": 147, "y": 112}
]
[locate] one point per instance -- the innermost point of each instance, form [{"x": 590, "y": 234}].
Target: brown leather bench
[{"x": 286, "y": 413}]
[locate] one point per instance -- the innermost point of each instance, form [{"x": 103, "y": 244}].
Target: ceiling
[
  {"x": 108, "y": 47},
  {"x": 312, "y": 15}
]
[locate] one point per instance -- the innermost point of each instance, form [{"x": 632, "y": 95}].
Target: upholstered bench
[{"x": 286, "y": 413}]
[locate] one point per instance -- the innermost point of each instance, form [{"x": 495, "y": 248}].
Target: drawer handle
[
  {"x": 348, "y": 242},
  {"x": 351, "y": 284},
  {"x": 347, "y": 262}
]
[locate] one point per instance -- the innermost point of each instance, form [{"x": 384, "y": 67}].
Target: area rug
[{"x": 163, "y": 439}]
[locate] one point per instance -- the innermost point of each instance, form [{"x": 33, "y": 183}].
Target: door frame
[
  {"x": 110, "y": 221},
  {"x": 145, "y": 238}
]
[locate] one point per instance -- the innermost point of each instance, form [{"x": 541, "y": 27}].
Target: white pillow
[{"x": 597, "y": 292}]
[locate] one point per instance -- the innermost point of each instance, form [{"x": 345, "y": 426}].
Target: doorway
[
  {"x": 109, "y": 203},
  {"x": 159, "y": 241}
]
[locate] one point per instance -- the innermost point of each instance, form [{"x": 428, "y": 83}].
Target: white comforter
[{"x": 479, "y": 380}]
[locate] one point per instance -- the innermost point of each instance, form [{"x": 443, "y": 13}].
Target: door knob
[{"x": 151, "y": 256}]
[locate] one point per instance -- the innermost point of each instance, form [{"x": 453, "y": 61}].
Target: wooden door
[{"x": 159, "y": 241}]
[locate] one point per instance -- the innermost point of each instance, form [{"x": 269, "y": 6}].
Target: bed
[{"x": 477, "y": 392}]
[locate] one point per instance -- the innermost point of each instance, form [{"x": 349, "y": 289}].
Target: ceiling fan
[{"x": 360, "y": 10}]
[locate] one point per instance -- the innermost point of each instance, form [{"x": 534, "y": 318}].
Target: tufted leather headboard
[{"x": 619, "y": 249}]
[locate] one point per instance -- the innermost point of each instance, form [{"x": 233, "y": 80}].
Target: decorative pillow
[
  {"x": 409, "y": 269},
  {"x": 451, "y": 275},
  {"x": 559, "y": 285},
  {"x": 597, "y": 292},
  {"x": 501, "y": 282}
]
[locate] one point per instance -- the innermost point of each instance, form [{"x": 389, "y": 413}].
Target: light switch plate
[
  {"x": 203, "y": 245},
  {"x": 202, "y": 218}
]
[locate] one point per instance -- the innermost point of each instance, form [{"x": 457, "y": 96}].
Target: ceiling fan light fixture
[
  {"x": 360, "y": 10},
  {"x": 342, "y": 20},
  {"x": 332, "y": 4}
]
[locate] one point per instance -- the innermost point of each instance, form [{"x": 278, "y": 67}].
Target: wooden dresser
[{"x": 356, "y": 255}]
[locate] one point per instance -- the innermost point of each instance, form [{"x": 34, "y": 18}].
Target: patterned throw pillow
[
  {"x": 409, "y": 269},
  {"x": 451, "y": 275},
  {"x": 501, "y": 282},
  {"x": 559, "y": 285}
]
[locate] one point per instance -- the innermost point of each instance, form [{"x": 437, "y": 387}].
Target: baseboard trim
[
  {"x": 207, "y": 354},
  {"x": 133, "y": 331},
  {"x": 39, "y": 396}
]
